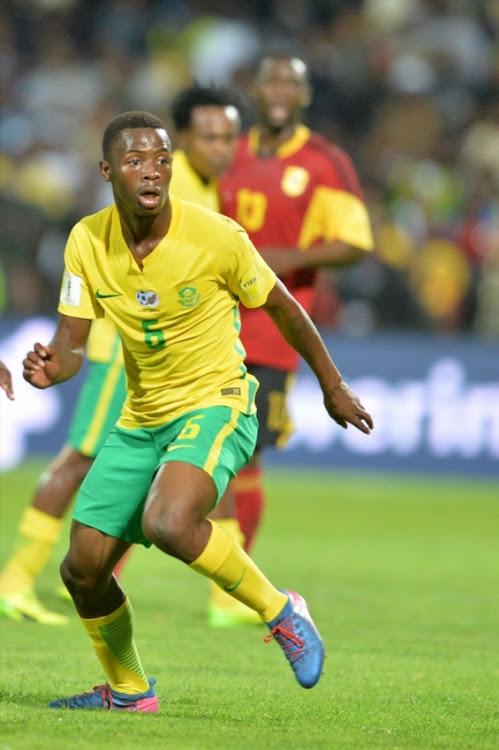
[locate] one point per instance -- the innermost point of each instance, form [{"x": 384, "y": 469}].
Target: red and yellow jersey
[
  {"x": 305, "y": 193},
  {"x": 178, "y": 315}
]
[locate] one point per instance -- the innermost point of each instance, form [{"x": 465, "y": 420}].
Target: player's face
[
  {"x": 281, "y": 92},
  {"x": 140, "y": 170},
  {"x": 210, "y": 140}
]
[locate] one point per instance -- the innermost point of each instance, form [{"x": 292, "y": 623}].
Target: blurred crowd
[{"x": 409, "y": 87}]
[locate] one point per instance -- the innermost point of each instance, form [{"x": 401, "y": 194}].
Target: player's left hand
[
  {"x": 345, "y": 408},
  {"x": 6, "y": 381}
]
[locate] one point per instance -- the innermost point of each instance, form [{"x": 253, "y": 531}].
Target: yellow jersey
[
  {"x": 188, "y": 185},
  {"x": 104, "y": 344},
  {"x": 178, "y": 316}
]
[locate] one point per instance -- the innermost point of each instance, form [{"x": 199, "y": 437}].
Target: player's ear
[{"x": 105, "y": 170}]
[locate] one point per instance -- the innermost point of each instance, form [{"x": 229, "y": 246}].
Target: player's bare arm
[
  {"x": 323, "y": 255},
  {"x": 6, "y": 381},
  {"x": 299, "y": 331},
  {"x": 61, "y": 359}
]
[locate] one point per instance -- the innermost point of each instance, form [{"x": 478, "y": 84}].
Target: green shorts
[
  {"x": 218, "y": 440},
  {"x": 98, "y": 407}
]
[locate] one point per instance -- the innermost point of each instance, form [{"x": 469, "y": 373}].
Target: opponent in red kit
[{"x": 299, "y": 198}]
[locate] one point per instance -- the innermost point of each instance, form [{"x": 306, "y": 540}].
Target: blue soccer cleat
[
  {"x": 103, "y": 697},
  {"x": 296, "y": 634}
]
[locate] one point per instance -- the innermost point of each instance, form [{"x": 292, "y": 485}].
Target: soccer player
[
  {"x": 207, "y": 123},
  {"x": 299, "y": 199},
  {"x": 170, "y": 275},
  {"x": 6, "y": 380}
]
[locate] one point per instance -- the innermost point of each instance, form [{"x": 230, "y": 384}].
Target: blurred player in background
[
  {"x": 299, "y": 199},
  {"x": 6, "y": 381},
  {"x": 171, "y": 275},
  {"x": 207, "y": 122}
]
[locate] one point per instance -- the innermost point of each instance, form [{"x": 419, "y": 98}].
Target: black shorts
[{"x": 275, "y": 425}]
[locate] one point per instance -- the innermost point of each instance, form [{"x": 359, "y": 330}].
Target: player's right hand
[{"x": 41, "y": 366}]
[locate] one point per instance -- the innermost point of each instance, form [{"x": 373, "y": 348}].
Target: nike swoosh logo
[
  {"x": 105, "y": 296},
  {"x": 234, "y": 587},
  {"x": 175, "y": 447}
]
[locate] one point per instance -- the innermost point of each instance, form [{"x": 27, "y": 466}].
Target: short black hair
[
  {"x": 127, "y": 121},
  {"x": 200, "y": 96}
]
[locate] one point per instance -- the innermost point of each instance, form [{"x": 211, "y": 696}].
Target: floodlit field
[{"x": 401, "y": 576}]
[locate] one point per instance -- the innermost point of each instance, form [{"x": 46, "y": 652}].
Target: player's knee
[
  {"x": 79, "y": 582},
  {"x": 168, "y": 531},
  {"x": 69, "y": 576}
]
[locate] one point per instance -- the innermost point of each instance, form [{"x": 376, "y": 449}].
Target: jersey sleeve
[
  {"x": 76, "y": 299},
  {"x": 250, "y": 278},
  {"x": 336, "y": 215},
  {"x": 337, "y": 210}
]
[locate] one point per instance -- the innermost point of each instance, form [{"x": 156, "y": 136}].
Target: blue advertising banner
[{"x": 434, "y": 400}]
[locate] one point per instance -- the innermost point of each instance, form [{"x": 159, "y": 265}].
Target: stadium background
[{"x": 408, "y": 87}]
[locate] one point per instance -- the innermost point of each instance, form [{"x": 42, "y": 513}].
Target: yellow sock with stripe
[
  {"x": 218, "y": 597},
  {"x": 113, "y": 642},
  {"x": 232, "y": 526},
  {"x": 40, "y": 533},
  {"x": 226, "y": 563}
]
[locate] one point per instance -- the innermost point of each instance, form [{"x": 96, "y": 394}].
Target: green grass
[{"x": 401, "y": 575}]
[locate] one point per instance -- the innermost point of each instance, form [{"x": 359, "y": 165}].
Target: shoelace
[
  {"x": 105, "y": 695},
  {"x": 288, "y": 640}
]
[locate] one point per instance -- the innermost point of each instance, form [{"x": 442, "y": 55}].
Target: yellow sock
[
  {"x": 218, "y": 597},
  {"x": 40, "y": 533},
  {"x": 114, "y": 644},
  {"x": 226, "y": 563},
  {"x": 232, "y": 526}
]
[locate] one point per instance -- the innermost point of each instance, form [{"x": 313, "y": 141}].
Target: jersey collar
[{"x": 288, "y": 148}]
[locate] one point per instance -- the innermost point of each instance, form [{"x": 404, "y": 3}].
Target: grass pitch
[{"x": 401, "y": 576}]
